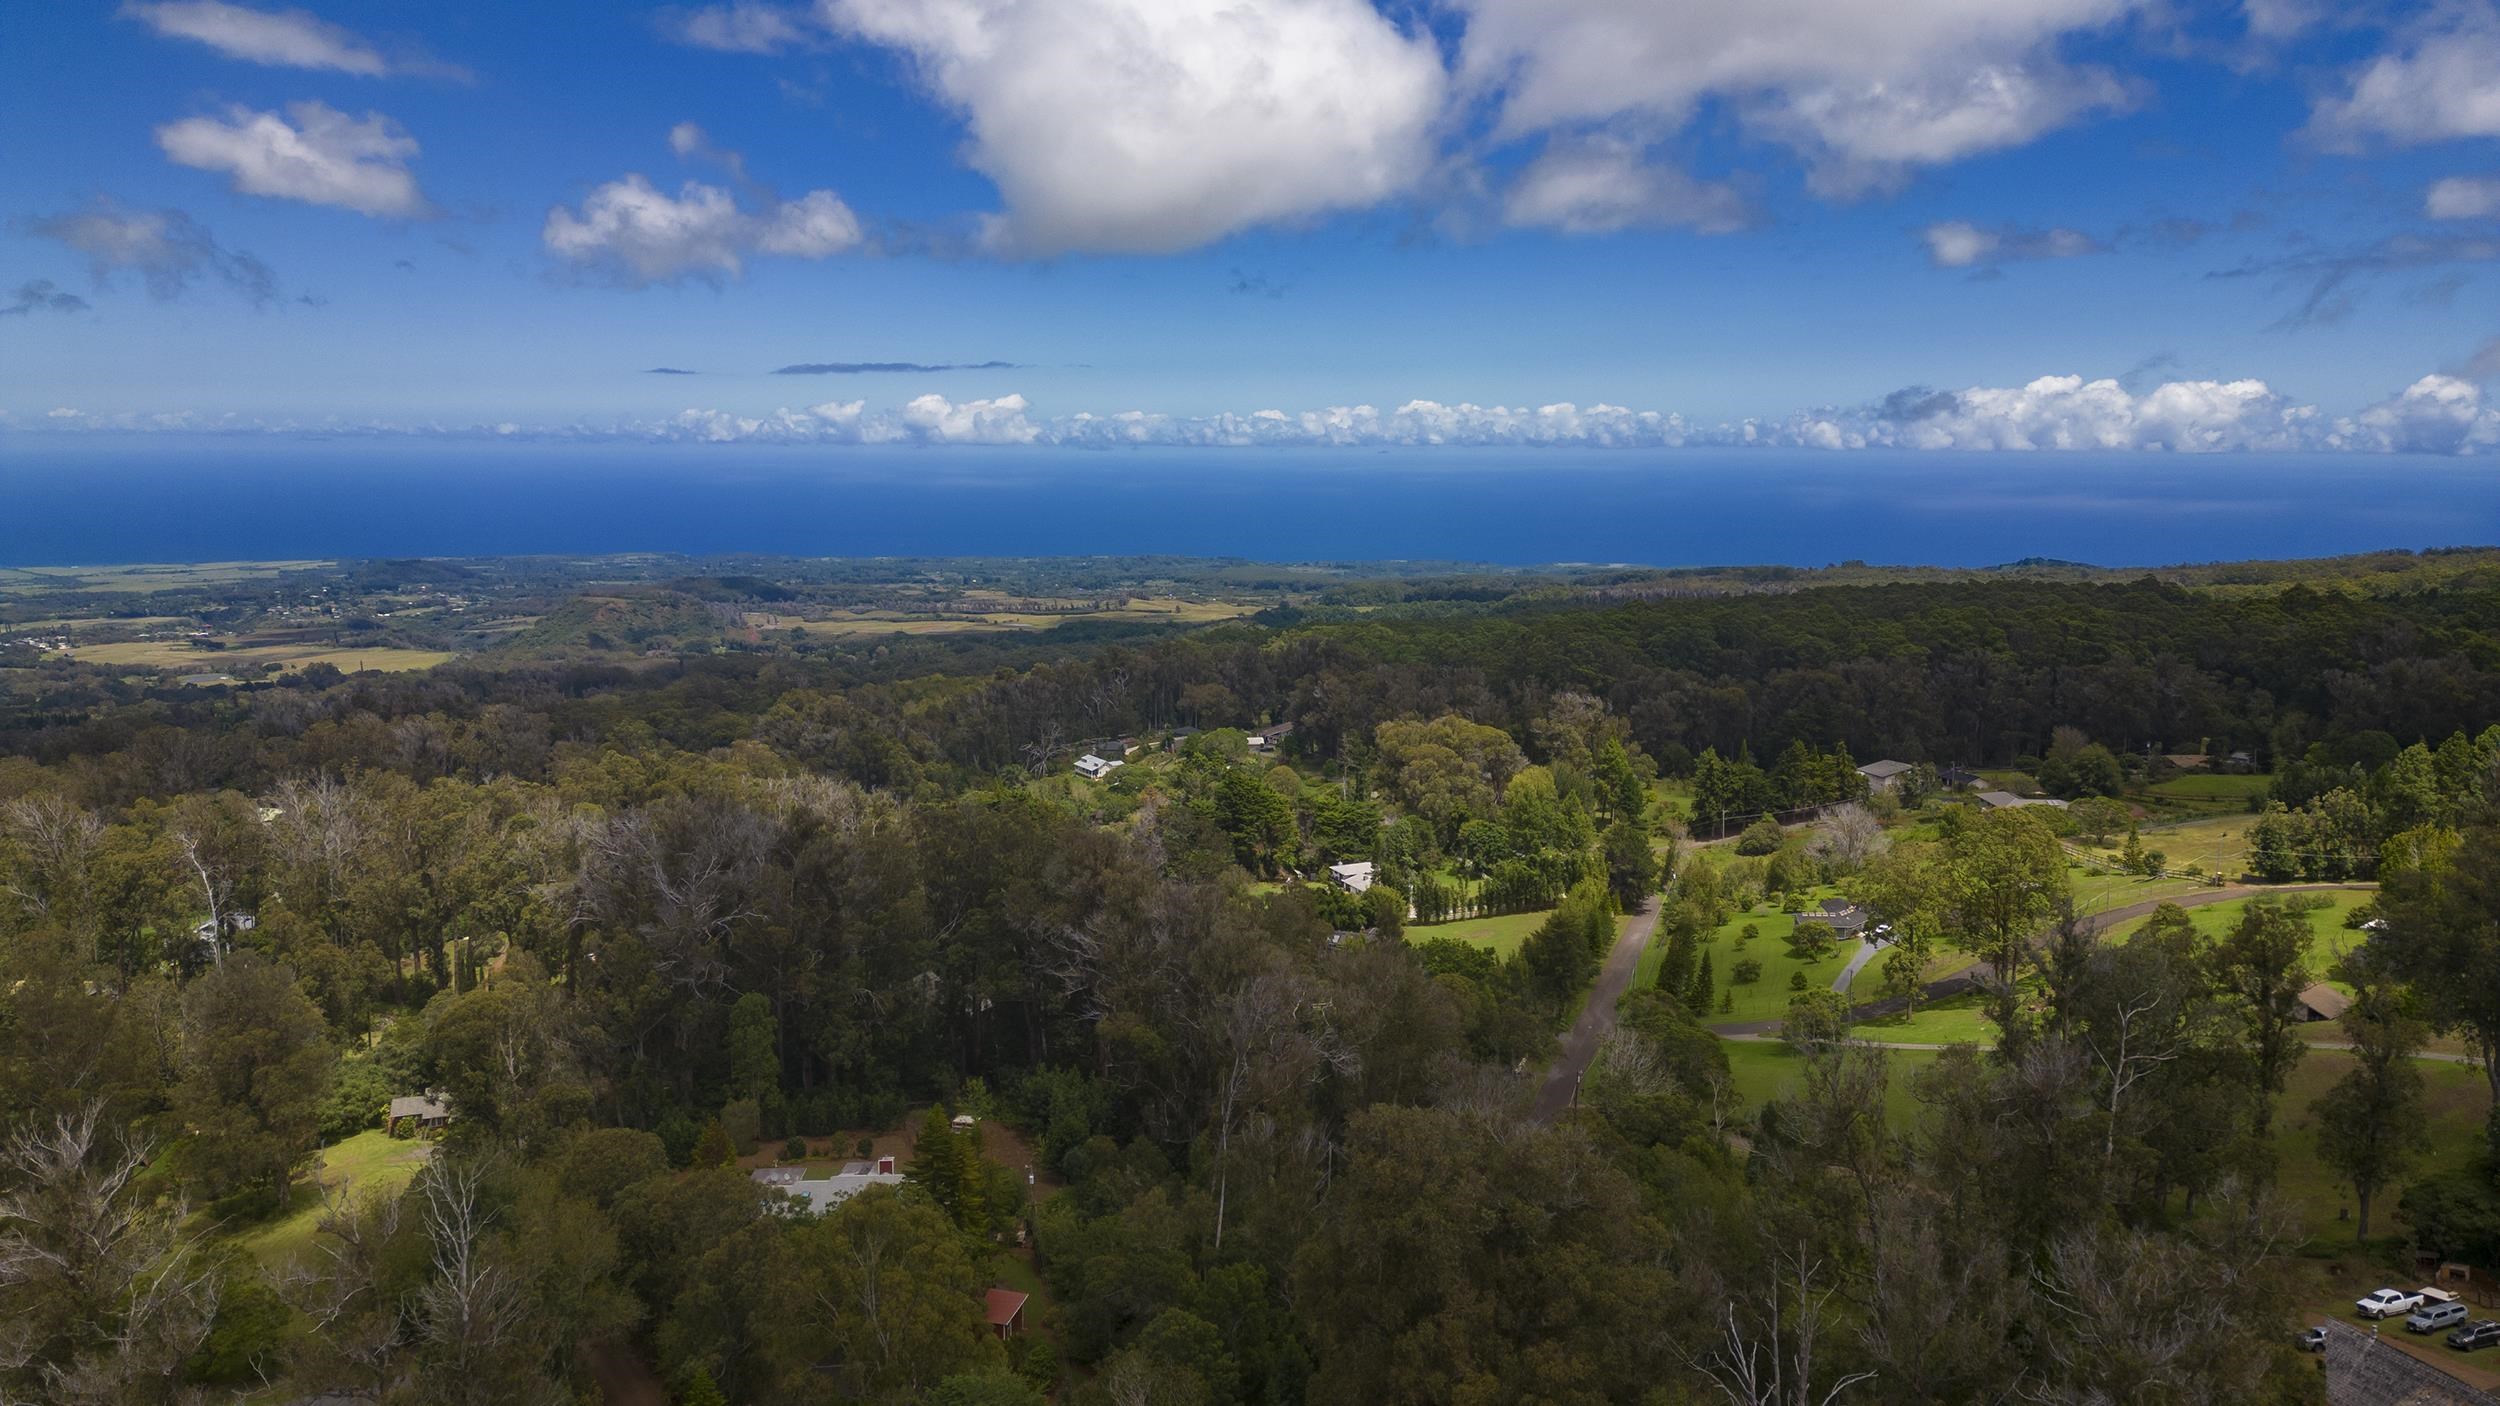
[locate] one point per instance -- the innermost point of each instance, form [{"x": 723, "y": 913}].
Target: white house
[
  {"x": 1095, "y": 767},
  {"x": 1353, "y": 878}
]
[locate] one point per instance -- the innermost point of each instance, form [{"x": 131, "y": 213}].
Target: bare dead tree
[
  {"x": 59, "y": 839},
  {"x": 1768, "y": 1338},
  {"x": 101, "y": 1297}
]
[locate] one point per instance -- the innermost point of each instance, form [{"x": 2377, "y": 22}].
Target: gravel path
[{"x": 1579, "y": 1043}]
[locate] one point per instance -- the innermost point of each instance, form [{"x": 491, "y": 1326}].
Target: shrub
[
  {"x": 795, "y": 1150},
  {"x": 1746, "y": 972},
  {"x": 1796, "y": 981},
  {"x": 865, "y": 1147},
  {"x": 1764, "y": 836}
]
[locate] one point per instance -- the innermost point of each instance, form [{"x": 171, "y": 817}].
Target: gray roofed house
[
  {"x": 429, "y": 1112},
  {"x": 1844, "y": 918},
  {"x": 1885, "y": 775},
  {"x": 822, "y": 1194}
]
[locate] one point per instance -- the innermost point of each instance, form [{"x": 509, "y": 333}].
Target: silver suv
[{"x": 2431, "y": 1317}]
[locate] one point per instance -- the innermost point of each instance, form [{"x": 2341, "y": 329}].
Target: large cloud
[
  {"x": 637, "y": 234},
  {"x": 2434, "y": 415},
  {"x": 1147, "y": 126},
  {"x": 315, "y": 154},
  {"x": 1862, "y": 91},
  {"x": 2441, "y": 82}
]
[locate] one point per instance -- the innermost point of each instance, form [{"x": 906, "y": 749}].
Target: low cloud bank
[{"x": 2438, "y": 414}]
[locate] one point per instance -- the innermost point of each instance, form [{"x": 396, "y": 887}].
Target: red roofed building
[{"x": 1006, "y": 1312}]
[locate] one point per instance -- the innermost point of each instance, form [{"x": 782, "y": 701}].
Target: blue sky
[{"x": 2086, "y": 223}]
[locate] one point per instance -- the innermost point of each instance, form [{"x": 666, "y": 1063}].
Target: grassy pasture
[{"x": 372, "y": 1163}]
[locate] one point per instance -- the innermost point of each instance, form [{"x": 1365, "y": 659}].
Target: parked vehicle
[
  {"x": 2446, "y": 1311},
  {"x": 2475, "y": 1336},
  {"x": 2387, "y": 1303},
  {"x": 2314, "y": 1340}
]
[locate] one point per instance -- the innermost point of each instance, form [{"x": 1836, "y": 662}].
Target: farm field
[
  {"x": 964, "y": 617},
  {"x": 2217, "y": 844},
  {"x": 177, "y": 654}
]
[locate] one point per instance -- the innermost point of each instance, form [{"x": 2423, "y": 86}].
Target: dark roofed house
[
  {"x": 1269, "y": 738},
  {"x": 1006, "y": 1312},
  {"x": 1844, "y": 918},
  {"x": 412, "y": 1114},
  {"x": 1959, "y": 778},
  {"x": 2323, "y": 1002}
]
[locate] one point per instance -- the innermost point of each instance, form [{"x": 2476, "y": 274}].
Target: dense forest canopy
[{"x": 579, "y": 935}]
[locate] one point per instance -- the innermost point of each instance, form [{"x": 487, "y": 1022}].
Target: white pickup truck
[{"x": 2388, "y": 1303}]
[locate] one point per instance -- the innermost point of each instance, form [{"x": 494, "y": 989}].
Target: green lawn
[
  {"x": 1761, "y": 1070},
  {"x": 2455, "y": 1099},
  {"x": 2328, "y": 937},
  {"x": 368, "y": 1164},
  {"x": 1956, "y": 1020},
  {"x": 1502, "y": 935},
  {"x": 2209, "y": 788},
  {"x": 2098, "y": 893},
  {"x": 2218, "y": 844},
  {"x": 1766, "y": 999}
]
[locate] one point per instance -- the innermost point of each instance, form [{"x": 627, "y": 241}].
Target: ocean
[{"x": 66, "y": 501}]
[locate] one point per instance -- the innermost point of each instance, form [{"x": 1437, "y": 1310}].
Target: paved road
[
  {"x": 2102, "y": 921},
  {"x": 2433, "y": 1055},
  {"x": 1867, "y": 948},
  {"x": 1579, "y": 1043}
]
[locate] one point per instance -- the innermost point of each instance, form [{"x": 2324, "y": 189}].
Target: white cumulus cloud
[
  {"x": 1862, "y": 91},
  {"x": 2462, "y": 198},
  {"x": 2442, "y": 81},
  {"x": 638, "y": 234},
  {"x": 314, "y": 153},
  {"x": 2435, "y": 415},
  {"x": 1147, "y": 126}
]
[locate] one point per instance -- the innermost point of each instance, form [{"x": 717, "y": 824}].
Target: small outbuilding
[
  {"x": 2323, "y": 1002},
  {"x": 1006, "y": 1312}
]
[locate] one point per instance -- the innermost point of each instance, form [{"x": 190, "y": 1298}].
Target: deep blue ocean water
[{"x": 67, "y": 501}]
